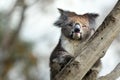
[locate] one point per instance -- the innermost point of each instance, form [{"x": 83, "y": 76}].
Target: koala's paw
[{"x": 62, "y": 59}]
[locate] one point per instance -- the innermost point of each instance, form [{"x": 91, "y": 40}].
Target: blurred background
[{"x": 27, "y": 35}]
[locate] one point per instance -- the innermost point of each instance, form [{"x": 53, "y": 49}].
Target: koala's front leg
[{"x": 58, "y": 62}]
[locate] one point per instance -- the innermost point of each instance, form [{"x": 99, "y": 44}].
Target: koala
[{"x": 75, "y": 29}]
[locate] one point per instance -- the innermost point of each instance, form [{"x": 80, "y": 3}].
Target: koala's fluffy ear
[
  {"x": 61, "y": 11},
  {"x": 63, "y": 17},
  {"x": 59, "y": 23},
  {"x": 92, "y": 19},
  {"x": 92, "y": 16}
]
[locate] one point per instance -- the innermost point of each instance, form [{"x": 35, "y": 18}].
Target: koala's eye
[
  {"x": 84, "y": 26},
  {"x": 70, "y": 24}
]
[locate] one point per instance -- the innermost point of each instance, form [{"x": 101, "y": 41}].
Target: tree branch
[
  {"x": 94, "y": 48},
  {"x": 11, "y": 36}
]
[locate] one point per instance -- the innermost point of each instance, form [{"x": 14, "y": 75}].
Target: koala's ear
[
  {"x": 63, "y": 17},
  {"x": 59, "y": 23},
  {"x": 92, "y": 16},
  {"x": 61, "y": 11},
  {"x": 92, "y": 19}
]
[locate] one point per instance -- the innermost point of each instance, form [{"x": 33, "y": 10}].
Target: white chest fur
[{"x": 69, "y": 45}]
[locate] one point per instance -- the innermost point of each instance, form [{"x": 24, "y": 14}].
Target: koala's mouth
[{"x": 76, "y": 35}]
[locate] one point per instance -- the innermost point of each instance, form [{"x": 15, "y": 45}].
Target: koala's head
[{"x": 74, "y": 26}]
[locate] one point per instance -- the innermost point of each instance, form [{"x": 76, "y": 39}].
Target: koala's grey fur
[{"x": 75, "y": 29}]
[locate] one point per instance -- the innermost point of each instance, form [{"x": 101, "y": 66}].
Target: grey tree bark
[{"x": 94, "y": 49}]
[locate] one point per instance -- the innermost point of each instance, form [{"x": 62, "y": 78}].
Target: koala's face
[{"x": 77, "y": 27}]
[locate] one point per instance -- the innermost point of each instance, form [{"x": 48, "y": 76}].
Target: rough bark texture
[{"x": 94, "y": 48}]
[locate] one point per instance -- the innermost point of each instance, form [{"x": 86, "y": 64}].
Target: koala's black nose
[{"x": 77, "y": 30}]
